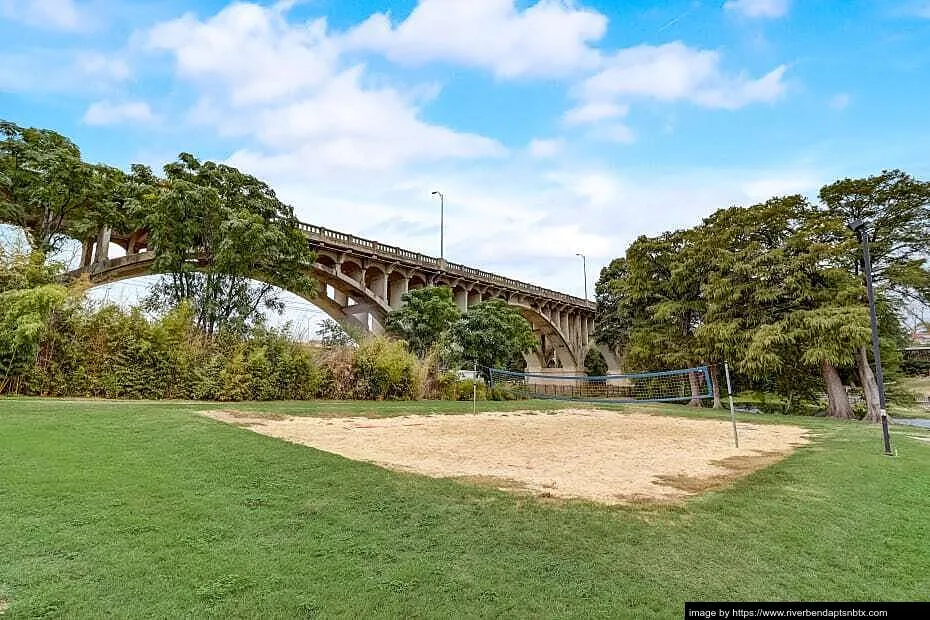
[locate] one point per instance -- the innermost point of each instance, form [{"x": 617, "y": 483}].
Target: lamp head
[{"x": 436, "y": 193}]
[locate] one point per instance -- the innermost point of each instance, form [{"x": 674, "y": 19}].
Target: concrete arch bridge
[{"x": 364, "y": 280}]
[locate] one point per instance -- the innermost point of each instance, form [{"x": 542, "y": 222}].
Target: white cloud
[
  {"x": 840, "y": 101},
  {"x": 284, "y": 85},
  {"x": 250, "y": 50},
  {"x": 48, "y": 14},
  {"x": 548, "y": 38},
  {"x": 109, "y": 113},
  {"x": 593, "y": 112},
  {"x": 759, "y": 8},
  {"x": 676, "y": 72},
  {"x": 61, "y": 71},
  {"x": 541, "y": 149}
]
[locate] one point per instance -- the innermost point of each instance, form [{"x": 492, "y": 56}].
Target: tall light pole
[
  {"x": 859, "y": 227},
  {"x": 584, "y": 268},
  {"x": 442, "y": 209}
]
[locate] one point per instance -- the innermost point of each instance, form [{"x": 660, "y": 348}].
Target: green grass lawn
[{"x": 123, "y": 510}]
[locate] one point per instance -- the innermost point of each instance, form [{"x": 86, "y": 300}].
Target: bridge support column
[
  {"x": 103, "y": 245},
  {"x": 474, "y": 298},
  {"x": 379, "y": 286},
  {"x": 398, "y": 288},
  {"x": 341, "y": 299},
  {"x": 461, "y": 299}
]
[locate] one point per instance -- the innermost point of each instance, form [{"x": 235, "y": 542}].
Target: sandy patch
[{"x": 605, "y": 456}]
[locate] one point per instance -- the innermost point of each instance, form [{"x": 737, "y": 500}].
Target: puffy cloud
[
  {"x": 48, "y": 14},
  {"x": 676, "y": 72},
  {"x": 109, "y": 113},
  {"x": 283, "y": 84},
  {"x": 548, "y": 38},
  {"x": 758, "y": 8},
  {"x": 61, "y": 71},
  {"x": 252, "y": 51},
  {"x": 593, "y": 112}
]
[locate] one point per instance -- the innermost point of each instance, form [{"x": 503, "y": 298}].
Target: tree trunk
[
  {"x": 715, "y": 384},
  {"x": 869, "y": 386},
  {"x": 837, "y": 400},
  {"x": 695, "y": 390},
  {"x": 87, "y": 253}
]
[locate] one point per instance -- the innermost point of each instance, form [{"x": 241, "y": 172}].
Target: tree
[
  {"x": 425, "y": 314},
  {"x": 491, "y": 333},
  {"x": 650, "y": 304},
  {"x": 45, "y": 186},
  {"x": 223, "y": 240},
  {"x": 594, "y": 363},
  {"x": 29, "y": 295},
  {"x": 897, "y": 209},
  {"x": 779, "y": 302}
]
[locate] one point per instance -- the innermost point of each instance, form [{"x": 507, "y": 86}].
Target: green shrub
[{"x": 385, "y": 369}]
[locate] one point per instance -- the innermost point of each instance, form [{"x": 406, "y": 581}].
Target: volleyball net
[{"x": 665, "y": 386}]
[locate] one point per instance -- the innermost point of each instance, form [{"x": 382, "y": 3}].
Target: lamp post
[
  {"x": 584, "y": 268},
  {"x": 859, "y": 227},
  {"x": 442, "y": 209}
]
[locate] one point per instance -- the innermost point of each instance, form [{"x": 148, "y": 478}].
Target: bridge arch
[
  {"x": 551, "y": 339},
  {"x": 350, "y": 302}
]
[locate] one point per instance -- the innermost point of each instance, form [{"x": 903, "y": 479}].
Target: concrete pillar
[
  {"x": 474, "y": 297},
  {"x": 375, "y": 325},
  {"x": 103, "y": 245},
  {"x": 565, "y": 327},
  {"x": 398, "y": 288},
  {"x": 379, "y": 286},
  {"x": 340, "y": 298},
  {"x": 556, "y": 317},
  {"x": 461, "y": 299}
]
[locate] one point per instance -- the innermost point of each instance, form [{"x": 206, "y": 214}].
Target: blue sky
[{"x": 553, "y": 127}]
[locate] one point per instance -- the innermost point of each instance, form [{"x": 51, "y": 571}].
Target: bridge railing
[{"x": 325, "y": 234}]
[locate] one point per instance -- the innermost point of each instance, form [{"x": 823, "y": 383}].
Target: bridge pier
[
  {"x": 461, "y": 299},
  {"x": 398, "y": 287},
  {"x": 103, "y": 245}
]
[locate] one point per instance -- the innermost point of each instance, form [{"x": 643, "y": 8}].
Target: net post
[
  {"x": 726, "y": 367},
  {"x": 474, "y": 390}
]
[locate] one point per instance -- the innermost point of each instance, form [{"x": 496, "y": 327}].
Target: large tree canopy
[
  {"x": 223, "y": 240},
  {"x": 492, "y": 334},
  {"x": 763, "y": 287},
  {"x": 49, "y": 191}
]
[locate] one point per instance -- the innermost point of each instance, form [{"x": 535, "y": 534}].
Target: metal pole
[
  {"x": 726, "y": 367},
  {"x": 876, "y": 349},
  {"x": 474, "y": 390},
  {"x": 442, "y": 224},
  {"x": 584, "y": 270}
]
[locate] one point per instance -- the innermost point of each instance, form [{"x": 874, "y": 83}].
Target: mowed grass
[{"x": 124, "y": 510}]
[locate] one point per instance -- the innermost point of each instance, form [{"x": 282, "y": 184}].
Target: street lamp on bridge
[
  {"x": 442, "y": 208},
  {"x": 584, "y": 269}
]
